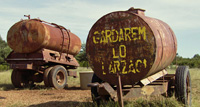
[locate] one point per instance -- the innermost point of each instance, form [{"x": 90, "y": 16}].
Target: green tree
[
  {"x": 4, "y": 51},
  {"x": 193, "y": 62},
  {"x": 82, "y": 56},
  {"x": 196, "y": 56}
]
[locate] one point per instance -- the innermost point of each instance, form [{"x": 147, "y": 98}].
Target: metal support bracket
[
  {"x": 108, "y": 90},
  {"x": 146, "y": 91},
  {"x": 153, "y": 77}
]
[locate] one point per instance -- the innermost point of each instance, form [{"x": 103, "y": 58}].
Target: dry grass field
[{"x": 73, "y": 96}]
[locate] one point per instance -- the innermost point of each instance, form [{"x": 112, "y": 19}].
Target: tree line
[
  {"x": 193, "y": 62},
  {"x": 4, "y": 51}
]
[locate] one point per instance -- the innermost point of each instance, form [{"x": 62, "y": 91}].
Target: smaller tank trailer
[
  {"x": 42, "y": 51},
  {"x": 128, "y": 53}
]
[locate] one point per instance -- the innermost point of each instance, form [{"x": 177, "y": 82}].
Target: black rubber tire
[
  {"x": 19, "y": 78},
  {"x": 46, "y": 77},
  {"x": 58, "y": 77},
  {"x": 183, "y": 90},
  {"x": 16, "y": 78}
]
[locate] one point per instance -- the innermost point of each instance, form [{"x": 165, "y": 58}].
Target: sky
[{"x": 183, "y": 16}]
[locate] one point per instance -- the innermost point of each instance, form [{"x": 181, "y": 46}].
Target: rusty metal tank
[
  {"x": 130, "y": 44},
  {"x": 31, "y": 35}
]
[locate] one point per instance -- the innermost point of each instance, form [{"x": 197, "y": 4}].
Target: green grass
[
  {"x": 5, "y": 77},
  {"x": 75, "y": 82},
  {"x": 18, "y": 104},
  {"x": 5, "y": 80},
  {"x": 158, "y": 101},
  {"x": 83, "y": 69},
  {"x": 154, "y": 101},
  {"x": 195, "y": 78}
]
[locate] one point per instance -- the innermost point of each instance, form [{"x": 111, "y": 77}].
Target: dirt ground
[{"x": 45, "y": 98}]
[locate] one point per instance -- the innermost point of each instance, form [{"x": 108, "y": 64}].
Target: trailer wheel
[
  {"x": 19, "y": 78},
  {"x": 58, "y": 77},
  {"x": 46, "y": 77},
  {"x": 183, "y": 85},
  {"x": 95, "y": 96}
]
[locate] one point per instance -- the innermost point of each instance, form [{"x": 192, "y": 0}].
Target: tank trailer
[
  {"x": 129, "y": 53},
  {"x": 42, "y": 51}
]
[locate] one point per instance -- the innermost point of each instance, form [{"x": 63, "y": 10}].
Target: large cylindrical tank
[
  {"x": 31, "y": 35},
  {"x": 130, "y": 44}
]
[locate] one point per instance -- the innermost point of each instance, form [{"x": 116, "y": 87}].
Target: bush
[
  {"x": 191, "y": 62},
  {"x": 84, "y": 64},
  {"x": 4, "y": 67}
]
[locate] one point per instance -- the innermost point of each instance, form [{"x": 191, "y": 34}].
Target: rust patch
[{"x": 29, "y": 36}]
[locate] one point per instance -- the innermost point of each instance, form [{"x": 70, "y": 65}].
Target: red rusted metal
[
  {"x": 29, "y": 36},
  {"x": 131, "y": 44},
  {"x": 146, "y": 91},
  {"x": 35, "y": 61},
  {"x": 160, "y": 86},
  {"x": 42, "y": 48}
]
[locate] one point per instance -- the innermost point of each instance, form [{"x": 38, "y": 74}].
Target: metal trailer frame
[
  {"x": 133, "y": 61},
  {"x": 160, "y": 83},
  {"x": 37, "y": 66}
]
